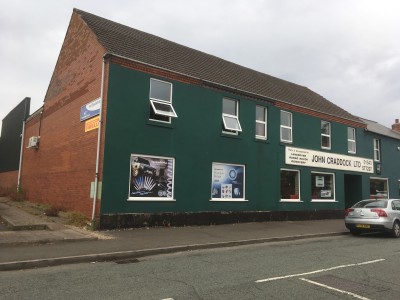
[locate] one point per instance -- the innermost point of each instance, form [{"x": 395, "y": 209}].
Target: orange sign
[{"x": 92, "y": 124}]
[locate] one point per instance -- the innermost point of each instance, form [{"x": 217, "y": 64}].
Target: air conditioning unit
[{"x": 33, "y": 142}]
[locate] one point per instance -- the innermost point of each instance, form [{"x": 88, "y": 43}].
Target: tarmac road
[{"x": 342, "y": 267}]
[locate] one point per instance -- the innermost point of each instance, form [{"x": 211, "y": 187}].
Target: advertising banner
[
  {"x": 152, "y": 178},
  {"x": 90, "y": 110},
  {"x": 92, "y": 124},
  {"x": 319, "y": 159},
  {"x": 227, "y": 181}
]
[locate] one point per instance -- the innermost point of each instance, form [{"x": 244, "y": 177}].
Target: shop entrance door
[{"x": 352, "y": 189}]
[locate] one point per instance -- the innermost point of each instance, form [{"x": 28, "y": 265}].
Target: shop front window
[
  {"x": 290, "y": 185},
  {"x": 378, "y": 188},
  {"x": 323, "y": 186}
]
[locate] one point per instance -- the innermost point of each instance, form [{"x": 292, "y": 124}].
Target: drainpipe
[
  {"x": 96, "y": 179},
  {"x": 20, "y": 156}
]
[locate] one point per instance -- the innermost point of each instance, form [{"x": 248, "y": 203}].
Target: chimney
[{"x": 396, "y": 126}]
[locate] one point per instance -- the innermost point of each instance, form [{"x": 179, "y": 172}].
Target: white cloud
[{"x": 346, "y": 50}]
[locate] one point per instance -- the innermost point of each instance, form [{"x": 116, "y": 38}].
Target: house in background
[
  {"x": 10, "y": 145},
  {"x": 138, "y": 130}
]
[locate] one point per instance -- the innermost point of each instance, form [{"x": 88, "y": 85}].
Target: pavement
[{"x": 32, "y": 241}]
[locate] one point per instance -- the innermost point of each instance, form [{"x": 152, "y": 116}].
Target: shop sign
[
  {"x": 319, "y": 159},
  {"x": 90, "y": 109},
  {"x": 227, "y": 181},
  {"x": 92, "y": 124},
  {"x": 152, "y": 178}
]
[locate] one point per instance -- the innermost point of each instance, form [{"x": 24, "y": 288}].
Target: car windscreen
[{"x": 371, "y": 204}]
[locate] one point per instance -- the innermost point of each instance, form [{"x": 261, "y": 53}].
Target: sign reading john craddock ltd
[{"x": 319, "y": 159}]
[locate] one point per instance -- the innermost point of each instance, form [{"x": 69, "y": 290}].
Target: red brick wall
[
  {"x": 61, "y": 169},
  {"x": 8, "y": 180}
]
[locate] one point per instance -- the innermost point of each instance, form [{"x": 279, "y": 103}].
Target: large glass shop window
[
  {"x": 322, "y": 186},
  {"x": 378, "y": 188},
  {"x": 290, "y": 185}
]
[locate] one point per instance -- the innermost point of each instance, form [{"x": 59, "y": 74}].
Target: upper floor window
[
  {"x": 230, "y": 116},
  {"x": 351, "y": 140},
  {"x": 161, "y": 108},
  {"x": 325, "y": 135},
  {"x": 377, "y": 150},
  {"x": 261, "y": 122},
  {"x": 286, "y": 127}
]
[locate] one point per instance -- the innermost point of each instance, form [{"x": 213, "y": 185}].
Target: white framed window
[
  {"x": 230, "y": 116},
  {"x": 377, "y": 150},
  {"x": 161, "y": 108},
  {"x": 290, "y": 185},
  {"x": 322, "y": 187},
  {"x": 261, "y": 122},
  {"x": 228, "y": 182},
  {"x": 286, "y": 127},
  {"x": 325, "y": 135},
  {"x": 351, "y": 140},
  {"x": 378, "y": 188}
]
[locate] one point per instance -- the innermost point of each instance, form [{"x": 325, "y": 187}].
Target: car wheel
[
  {"x": 355, "y": 232},
  {"x": 396, "y": 229}
]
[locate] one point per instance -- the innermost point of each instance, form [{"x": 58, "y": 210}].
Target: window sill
[
  {"x": 228, "y": 200},
  {"x": 323, "y": 201},
  {"x": 150, "y": 200},
  {"x": 291, "y": 201},
  {"x": 160, "y": 124},
  {"x": 232, "y": 136}
]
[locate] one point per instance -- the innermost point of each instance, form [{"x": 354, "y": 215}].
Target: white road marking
[
  {"x": 334, "y": 289},
  {"x": 320, "y": 271}
]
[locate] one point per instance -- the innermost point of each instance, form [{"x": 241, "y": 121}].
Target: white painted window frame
[
  {"x": 326, "y": 135},
  {"x": 387, "y": 184},
  {"x": 286, "y": 127},
  {"x": 377, "y": 150},
  {"x": 157, "y": 112},
  {"x": 334, "y": 187},
  {"x": 299, "y": 184},
  {"x": 226, "y": 129},
  {"x": 264, "y": 123},
  {"x": 349, "y": 140}
]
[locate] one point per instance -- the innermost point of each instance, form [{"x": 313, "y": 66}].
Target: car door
[{"x": 396, "y": 209}]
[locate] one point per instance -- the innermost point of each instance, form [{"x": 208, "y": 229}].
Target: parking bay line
[
  {"x": 319, "y": 271},
  {"x": 334, "y": 289}
]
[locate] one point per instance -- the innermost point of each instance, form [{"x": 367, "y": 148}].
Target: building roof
[
  {"x": 137, "y": 45},
  {"x": 380, "y": 129}
]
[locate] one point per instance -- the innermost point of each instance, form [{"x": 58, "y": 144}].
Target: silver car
[{"x": 374, "y": 215}]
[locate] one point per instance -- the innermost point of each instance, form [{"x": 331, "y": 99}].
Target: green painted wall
[{"x": 195, "y": 140}]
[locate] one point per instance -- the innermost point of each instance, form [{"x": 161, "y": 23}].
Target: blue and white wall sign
[{"x": 90, "y": 110}]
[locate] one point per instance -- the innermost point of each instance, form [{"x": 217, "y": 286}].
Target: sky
[{"x": 348, "y": 51}]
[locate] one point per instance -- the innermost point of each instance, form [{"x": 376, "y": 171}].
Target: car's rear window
[{"x": 371, "y": 204}]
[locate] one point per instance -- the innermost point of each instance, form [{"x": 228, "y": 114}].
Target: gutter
[{"x": 96, "y": 179}]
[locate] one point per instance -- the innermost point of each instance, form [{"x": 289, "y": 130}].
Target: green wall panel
[{"x": 195, "y": 140}]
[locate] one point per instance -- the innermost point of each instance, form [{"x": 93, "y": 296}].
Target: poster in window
[
  {"x": 152, "y": 177},
  {"x": 227, "y": 181},
  {"x": 319, "y": 181}
]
